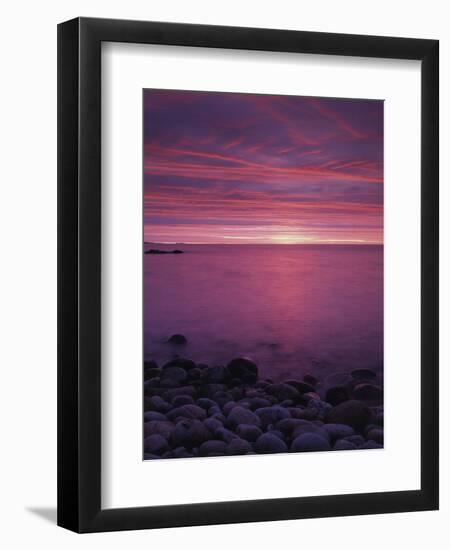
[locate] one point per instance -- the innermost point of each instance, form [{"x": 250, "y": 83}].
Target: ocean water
[{"x": 292, "y": 308}]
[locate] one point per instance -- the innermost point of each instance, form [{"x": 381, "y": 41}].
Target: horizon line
[{"x": 333, "y": 243}]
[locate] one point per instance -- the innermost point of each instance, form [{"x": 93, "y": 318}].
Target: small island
[{"x": 157, "y": 251}]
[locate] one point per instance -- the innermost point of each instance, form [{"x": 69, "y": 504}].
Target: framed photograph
[{"x": 248, "y": 275}]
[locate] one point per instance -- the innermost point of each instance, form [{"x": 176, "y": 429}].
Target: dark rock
[
  {"x": 189, "y": 434},
  {"x": 277, "y": 433},
  {"x": 287, "y": 403},
  {"x": 194, "y": 374},
  {"x": 338, "y": 431},
  {"x": 338, "y": 379},
  {"x": 301, "y": 387},
  {"x": 273, "y": 400},
  {"x": 157, "y": 251},
  {"x": 151, "y": 370},
  {"x": 243, "y": 368},
  {"x": 235, "y": 383},
  {"x": 177, "y": 339},
  {"x": 151, "y": 373},
  {"x": 367, "y": 392},
  {"x": 240, "y": 415},
  {"x": 283, "y": 391},
  {"x": 174, "y": 376},
  {"x": 249, "y": 432},
  {"x": 187, "y": 411},
  {"x": 213, "y": 424},
  {"x": 288, "y": 425},
  {"x": 228, "y": 406},
  {"x": 180, "y": 400},
  {"x": 310, "y": 429},
  {"x": 159, "y": 427},
  {"x": 318, "y": 409},
  {"x": 149, "y": 456},
  {"x": 252, "y": 392},
  {"x": 237, "y": 392},
  {"x": 297, "y": 412},
  {"x": 208, "y": 390},
  {"x": 353, "y": 413},
  {"x": 212, "y": 447},
  {"x": 238, "y": 446},
  {"x": 310, "y": 442},
  {"x": 217, "y": 415},
  {"x": 376, "y": 434},
  {"x": 205, "y": 403},
  {"x": 363, "y": 374},
  {"x": 216, "y": 374},
  {"x": 154, "y": 415},
  {"x": 269, "y": 443},
  {"x": 310, "y": 395},
  {"x": 222, "y": 397},
  {"x": 155, "y": 444},
  {"x": 258, "y": 403},
  {"x": 181, "y": 363},
  {"x": 271, "y": 415},
  {"x": 310, "y": 379},
  {"x": 180, "y": 452},
  {"x": 151, "y": 384},
  {"x": 371, "y": 445},
  {"x": 150, "y": 364},
  {"x": 158, "y": 404},
  {"x": 224, "y": 434},
  {"x": 379, "y": 418},
  {"x": 368, "y": 427},
  {"x": 336, "y": 395},
  {"x": 355, "y": 439},
  {"x": 344, "y": 445},
  {"x": 183, "y": 390}
]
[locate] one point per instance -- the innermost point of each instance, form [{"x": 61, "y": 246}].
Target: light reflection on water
[{"x": 292, "y": 308}]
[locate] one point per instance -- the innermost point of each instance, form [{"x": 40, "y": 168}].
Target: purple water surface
[{"x": 291, "y": 308}]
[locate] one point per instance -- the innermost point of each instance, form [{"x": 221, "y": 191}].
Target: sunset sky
[{"x": 244, "y": 168}]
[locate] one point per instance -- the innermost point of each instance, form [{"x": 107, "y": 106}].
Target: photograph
[{"x": 263, "y": 274}]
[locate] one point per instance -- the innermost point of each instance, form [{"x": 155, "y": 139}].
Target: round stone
[
  {"x": 308, "y": 442},
  {"x": 352, "y": 413},
  {"x": 269, "y": 443}
]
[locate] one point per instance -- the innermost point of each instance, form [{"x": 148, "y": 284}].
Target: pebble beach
[{"x": 198, "y": 410}]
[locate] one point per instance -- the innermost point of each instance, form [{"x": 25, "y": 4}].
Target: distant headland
[{"x": 158, "y": 251}]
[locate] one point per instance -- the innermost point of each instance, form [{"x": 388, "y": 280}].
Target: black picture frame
[{"x": 79, "y": 274}]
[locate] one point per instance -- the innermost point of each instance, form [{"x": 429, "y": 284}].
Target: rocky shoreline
[{"x": 199, "y": 410}]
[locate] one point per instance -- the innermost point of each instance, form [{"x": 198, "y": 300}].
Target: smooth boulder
[
  {"x": 189, "y": 434},
  {"x": 367, "y": 392},
  {"x": 336, "y": 395},
  {"x": 244, "y": 369},
  {"x": 283, "y": 391},
  {"x": 177, "y": 339},
  {"x": 212, "y": 447},
  {"x": 156, "y": 444},
  {"x": 338, "y": 431},
  {"x": 187, "y": 411},
  {"x": 269, "y": 443},
  {"x": 249, "y": 432},
  {"x": 352, "y": 413},
  {"x": 238, "y": 446},
  {"x": 241, "y": 415},
  {"x": 308, "y": 442},
  {"x": 271, "y": 415}
]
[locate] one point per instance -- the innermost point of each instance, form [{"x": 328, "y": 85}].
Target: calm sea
[{"x": 291, "y": 308}]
